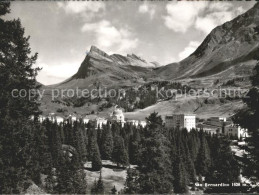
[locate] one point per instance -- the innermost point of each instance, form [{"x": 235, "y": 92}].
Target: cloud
[
  {"x": 86, "y": 9},
  {"x": 204, "y": 16},
  {"x": 53, "y": 73},
  {"x": 218, "y": 14},
  {"x": 192, "y": 46},
  {"x": 147, "y": 9},
  {"x": 220, "y": 6},
  {"x": 181, "y": 15},
  {"x": 110, "y": 38}
]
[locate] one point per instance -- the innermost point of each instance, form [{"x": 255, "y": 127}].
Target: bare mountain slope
[
  {"x": 108, "y": 70},
  {"x": 227, "y": 46},
  {"x": 190, "y": 105}
]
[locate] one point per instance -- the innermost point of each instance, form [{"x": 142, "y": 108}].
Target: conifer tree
[
  {"x": 189, "y": 163},
  {"x": 64, "y": 176},
  {"x": 155, "y": 173},
  {"x": 133, "y": 150},
  {"x": 203, "y": 161},
  {"x": 93, "y": 151},
  {"x": 116, "y": 128},
  {"x": 71, "y": 178},
  {"x": 214, "y": 145},
  {"x": 94, "y": 187},
  {"x": 79, "y": 181},
  {"x": 180, "y": 175},
  {"x": 96, "y": 158},
  {"x": 225, "y": 166},
  {"x": 99, "y": 137},
  {"x": 113, "y": 190},
  {"x": 80, "y": 142},
  {"x": 50, "y": 182},
  {"x": 132, "y": 185},
  {"x": 16, "y": 70},
  {"x": 56, "y": 145},
  {"x": 179, "y": 159},
  {"x": 248, "y": 118},
  {"x": 41, "y": 143},
  {"x": 119, "y": 154},
  {"x": 98, "y": 187},
  {"x": 193, "y": 144},
  {"x": 16, "y": 141},
  {"x": 107, "y": 143}
]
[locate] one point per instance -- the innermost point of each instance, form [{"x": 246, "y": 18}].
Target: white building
[
  {"x": 143, "y": 123},
  {"x": 86, "y": 120},
  {"x": 31, "y": 117},
  {"x": 133, "y": 122},
  {"x": 117, "y": 116},
  {"x": 72, "y": 118},
  {"x": 224, "y": 119},
  {"x": 181, "y": 121},
  {"x": 59, "y": 119},
  {"x": 100, "y": 122},
  {"x": 215, "y": 118},
  {"x": 52, "y": 117},
  {"x": 235, "y": 131},
  {"x": 42, "y": 118}
]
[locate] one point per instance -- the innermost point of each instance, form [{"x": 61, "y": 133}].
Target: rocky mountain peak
[
  {"x": 134, "y": 56},
  {"x": 157, "y": 64},
  {"x": 96, "y": 50}
]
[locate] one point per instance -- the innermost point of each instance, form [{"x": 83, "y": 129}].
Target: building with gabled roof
[{"x": 117, "y": 116}]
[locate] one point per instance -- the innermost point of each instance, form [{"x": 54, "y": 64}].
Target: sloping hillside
[
  {"x": 227, "y": 48},
  {"x": 189, "y": 105}
]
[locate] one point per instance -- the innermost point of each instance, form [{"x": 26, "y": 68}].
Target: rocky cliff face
[
  {"x": 132, "y": 60},
  {"x": 97, "y": 61},
  {"x": 108, "y": 70}
]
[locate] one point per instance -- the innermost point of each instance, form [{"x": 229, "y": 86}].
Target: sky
[{"x": 162, "y": 31}]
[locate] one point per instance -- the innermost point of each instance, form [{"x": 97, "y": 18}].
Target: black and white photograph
[{"x": 129, "y": 97}]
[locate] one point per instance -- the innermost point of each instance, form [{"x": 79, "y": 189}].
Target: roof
[
  {"x": 179, "y": 115},
  {"x": 209, "y": 126}
]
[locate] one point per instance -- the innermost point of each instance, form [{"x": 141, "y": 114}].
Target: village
[
  {"x": 213, "y": 125},
  {"x": 116, "y": 115}
]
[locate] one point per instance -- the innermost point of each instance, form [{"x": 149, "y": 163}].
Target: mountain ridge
[
  {"x": 228, "y": 51},
  {"x": 234, "y": 39}
]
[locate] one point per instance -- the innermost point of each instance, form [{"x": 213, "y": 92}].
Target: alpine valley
[{"x": 224, "y": 60}]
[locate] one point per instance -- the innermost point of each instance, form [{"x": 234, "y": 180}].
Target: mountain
[
  {"x": 230, "y": 50},
  {"x": 132, "y": 60},
  {"x": 99, "y": 67},
  {"x": 228, "y": 53}
]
